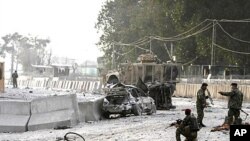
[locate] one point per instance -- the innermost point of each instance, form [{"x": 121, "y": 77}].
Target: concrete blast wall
[
  {"x": 53, "y": 112},
  {"x": 190, "y": 90}
]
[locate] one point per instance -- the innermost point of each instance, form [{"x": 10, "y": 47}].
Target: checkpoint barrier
[
  {"x": 54, "y": 112},
  {"x": 14, "y": 115},
  {"x": 83, "y": 86}
]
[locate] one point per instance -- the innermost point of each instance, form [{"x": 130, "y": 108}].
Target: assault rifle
[
  {"x": 209, "y": 97},
  {"x": 177, "y": 122}
]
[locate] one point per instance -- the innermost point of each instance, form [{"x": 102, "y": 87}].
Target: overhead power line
[
  {"x": 231, "y": 35},
  {"x": 193, "y": 28},
  {"x": 200, "y": 28},
  {"x": 173, "y": 38},
  {"x": 231, "y": 21},
  {"x": 229, "y": 50},
  {"x": 208, "y": 26},
  {"x": 189, "y": 62}
]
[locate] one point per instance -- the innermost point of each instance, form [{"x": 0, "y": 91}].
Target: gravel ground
[{"x": 131, "y": 128}]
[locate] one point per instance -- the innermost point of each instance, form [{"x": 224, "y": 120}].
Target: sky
[{"x": 69, "y": 24}]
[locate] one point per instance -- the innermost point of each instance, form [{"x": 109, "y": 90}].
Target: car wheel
[
  {"x": 136, "y": 110},
  {"x": 123, "y": 114},
  {"x": 153, "y": 110},
  {"x": 106, "y": 115}
]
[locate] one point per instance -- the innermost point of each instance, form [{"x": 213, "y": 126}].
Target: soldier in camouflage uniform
[
  {"x": 234, "y": 103},
  {"x": 201, "y": 103},
  {"x": 185, "y": 128}
]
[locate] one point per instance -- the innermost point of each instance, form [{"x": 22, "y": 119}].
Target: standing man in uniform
[
  {"x": 14, "y": 79},
  {"x": 201, "y": 103},
  {"x": 234, "y": 104}
]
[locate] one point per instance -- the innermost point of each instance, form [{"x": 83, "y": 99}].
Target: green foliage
[{"x": 133, "y": 20}]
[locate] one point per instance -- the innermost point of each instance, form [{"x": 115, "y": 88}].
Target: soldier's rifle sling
[{"x": 245, "y": 113}]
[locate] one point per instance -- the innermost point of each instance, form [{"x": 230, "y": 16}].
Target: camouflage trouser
[
  {"x": 200, "y": 113},
  {"x": 233, "y": 115},
  {"x": 185, "y": 131}
]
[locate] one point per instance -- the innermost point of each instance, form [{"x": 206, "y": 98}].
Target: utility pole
[
  {"x": 171, "y": 51},
  {"x": 213, "y": 41},
  {"x": 12, "y": 59},
  {"x": 150, "y": 47},
  {"x": 12, "y": 62},
  {"x": 113, "y": 56}
]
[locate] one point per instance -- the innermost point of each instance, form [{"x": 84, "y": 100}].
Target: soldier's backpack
[{"x": 194, "y": 124}]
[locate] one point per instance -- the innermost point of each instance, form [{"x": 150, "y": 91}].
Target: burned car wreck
[{"x": 126, "y": 100}]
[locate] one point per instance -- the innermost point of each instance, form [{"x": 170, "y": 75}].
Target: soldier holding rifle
[
  {"x": 201, "y": 103},
  {"x": 234, "y": 104}
]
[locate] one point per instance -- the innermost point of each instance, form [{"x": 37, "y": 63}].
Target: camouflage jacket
[
  {"x": 235, "y": 98},
  {"x": 189, "y": 124},
  {"x": 201, "y": 98},
  {"x": 186, "y": 121}
]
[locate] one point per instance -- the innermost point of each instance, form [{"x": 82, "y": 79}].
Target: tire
[
  {"x": 153, "y": 110},
  {"x": 136, "y": 110},
  {"x": 106, "y": 115},
  {"x": 123, "y": 114}
]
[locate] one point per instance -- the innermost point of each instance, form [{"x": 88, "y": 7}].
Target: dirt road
[{"x": 138, "y": 128}]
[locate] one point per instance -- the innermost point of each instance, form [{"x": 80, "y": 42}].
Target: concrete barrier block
[
  {"x": 14, "y": 107},
  {"x": 13, "y": 123},
  {"x": 54, "y": 112},
  {"x": 90, "y": 110},
  {"x": 50, "y": 120},
  {"x": 48, "y": 104},
  {"x": 14, "y": 116}
]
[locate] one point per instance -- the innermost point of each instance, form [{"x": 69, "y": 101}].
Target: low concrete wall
[
  {"x": 90, "y": 110},
  {"x": 14, "y": 116},
  {"x": 47, "y": 113},
  {"x": 53, "y": 112},
  {"x": 190, "y": 90}
]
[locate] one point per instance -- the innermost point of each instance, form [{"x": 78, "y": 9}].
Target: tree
[
  {"x": 136, "y": 20},
  {"x": 26, "y": 50},
  {"x": 11, "y": 46}
]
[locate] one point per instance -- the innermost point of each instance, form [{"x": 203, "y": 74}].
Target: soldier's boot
[
  {"x": 192, "y": 136},
  {"x": 230, "y": 120},
  {"x": 201, "y": 125},
  {"x": 191, "y": 139},
  {"x": 237, "y": 121}
]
